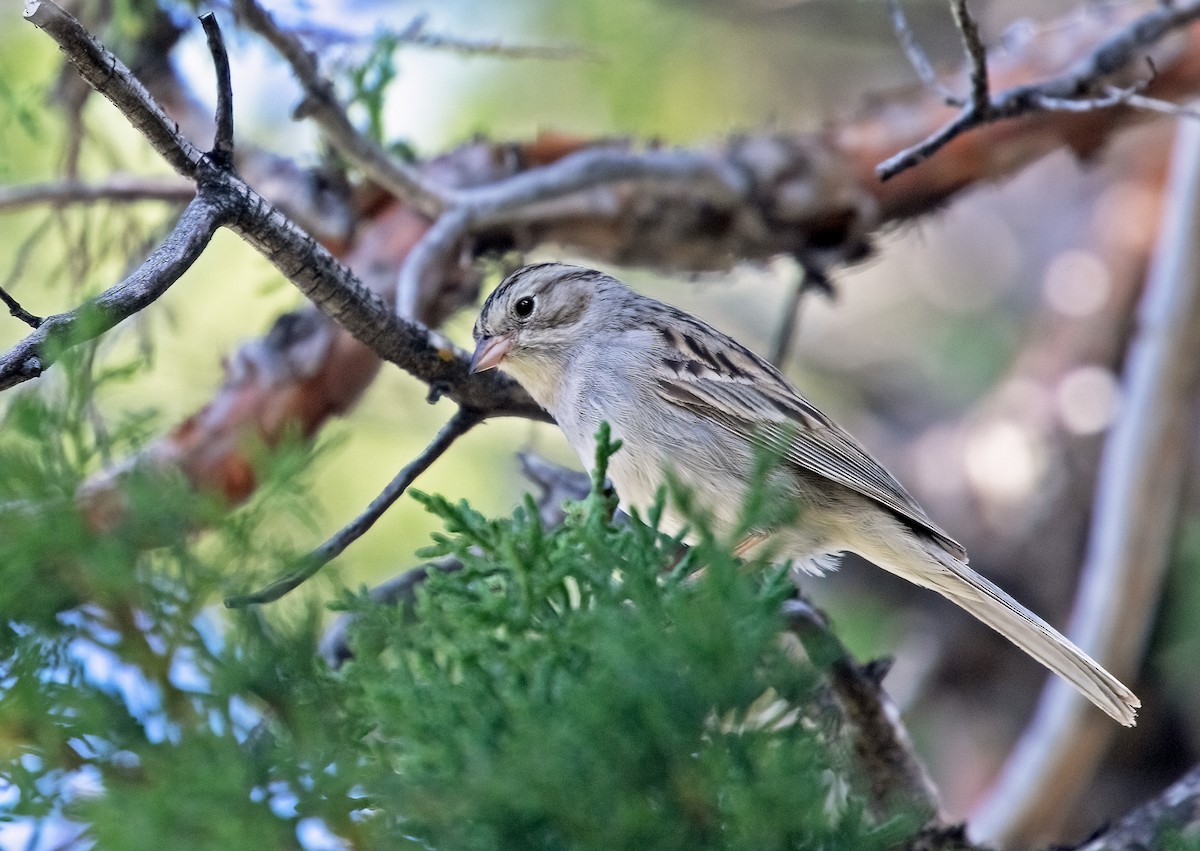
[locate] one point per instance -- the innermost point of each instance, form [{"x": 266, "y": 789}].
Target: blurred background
[{"x": 975, "y": 352}]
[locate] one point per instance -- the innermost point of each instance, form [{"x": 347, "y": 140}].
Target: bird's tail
[{"x": 986, "y": 601}]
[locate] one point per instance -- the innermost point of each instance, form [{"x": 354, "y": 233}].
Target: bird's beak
[{"x": 489, "y": 351}]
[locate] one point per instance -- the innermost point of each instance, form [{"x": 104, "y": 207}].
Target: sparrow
[{"x": 693, "y": 406}]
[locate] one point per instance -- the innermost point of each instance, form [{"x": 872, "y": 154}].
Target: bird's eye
[{"x": 523, "y": 306}]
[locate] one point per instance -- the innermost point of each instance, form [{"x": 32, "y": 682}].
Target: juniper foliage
[{"x": 582, "y": 687}]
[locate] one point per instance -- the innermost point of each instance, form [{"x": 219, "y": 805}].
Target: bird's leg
[{"x": 748, "y": 543}]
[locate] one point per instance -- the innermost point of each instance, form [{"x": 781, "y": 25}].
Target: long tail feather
[{"x": 983, "y": 599}]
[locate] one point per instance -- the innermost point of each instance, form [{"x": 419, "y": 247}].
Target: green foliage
[
  {"x": 1176, "y": 644},
  {"x": 576, "y": 688},
  {"x": 1174, "y": 840},
  {"x": 22, "y": 110},
  {"x": 369, "y": 81}
]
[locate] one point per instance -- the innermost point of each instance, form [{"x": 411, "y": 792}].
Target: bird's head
[{"x": 536, "y": 316}]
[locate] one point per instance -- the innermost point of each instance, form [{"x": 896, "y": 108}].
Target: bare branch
[
  {"x": 33, "y": 355},
  {"x": 105, "y": 73},
  {"x": 1114, "y": 96},
  {"x": 120, "y": 189},
  {"x": 976, "y": 54},
  {"x": 1159, "y": 105},
  {"x": 720, "y": 180},
  {"x": 463, "y": 421},
  {"x": 809, "y": 280},
  {"x": 503, "y": 203},
  {"x": 14, "y": 307},
  {"x": 222, "y": 149},
  {"x": 322, "y": 106},
  {"x": 917, "y": 154},
  {"x": 916, "y": 55},
  {"x": 415, "y": 34},
  {"x": 895, "y": 776},
  {"x": 427, "y": 255},
  {"x": 329, "y": 285},
  {"x": 1133, "y": 519},
  {"x": 1111, "y": 97},
  {"x": 1177, "y": 810},
  {"x": 1115, "y": 54},
  {"x": 337, "y": 293}
]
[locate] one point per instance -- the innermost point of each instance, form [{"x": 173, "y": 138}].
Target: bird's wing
[{"x": 718, "y": 379}]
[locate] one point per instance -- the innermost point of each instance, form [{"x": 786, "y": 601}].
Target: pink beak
[{"x": 489, "y": 351}]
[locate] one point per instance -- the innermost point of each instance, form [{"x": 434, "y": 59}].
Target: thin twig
[
  {"x": 463, "y": 421},
  {"x": 916, "y": 55},
  {"x": 1079, "y": 84},
  {"x": 119, "y": 189},
  {"x": 33, "y": 355},
  {"x": 787, "y": 324},
  {"x": 222, "y": 150},
  {"x": 14, "y": 307},
  {"x": 415, "y": 34},
  {"x": 322, "y": 106},
  {"x": 721, "y": 181},
  {"x": 1164, "y": 106},
  {"x": 1112, "y": 97},
  {"x": 976, "y": 55},
  {"x": 1138, "y": 492},
  {"x": 810, "y": 279}
]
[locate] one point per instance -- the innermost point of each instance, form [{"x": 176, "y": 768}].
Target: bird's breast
[{"x": 662, "y": 446}]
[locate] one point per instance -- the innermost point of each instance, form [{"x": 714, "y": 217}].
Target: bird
[{"x": 693, "y": 406}]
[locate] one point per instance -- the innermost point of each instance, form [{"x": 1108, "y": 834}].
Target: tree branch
[
  {"x": 115, "y": 190},
  {"x": 337, "y": 293},
  {"x": 105, "y": 73},
  {"x": 916, "y": 55},
  {"x": 1177, "y": 810},
  {"x": 416, "y": 34},
  {"x": 895, "y": 776},
  {"x": 463, "y": 421},
  {"x": 501, "y": 204},
  {"x": 322, "y": 106},
  {"x": 312, "y": 269},
  {"x": 14, "y": 308},
  {"x": 1077, "y": 88},
  {"x": 976, "y": 53},
  {"x": 1133, "y": 520},
  {"x": 33, "y": 355},
  {"x": 222, "y": 149}
]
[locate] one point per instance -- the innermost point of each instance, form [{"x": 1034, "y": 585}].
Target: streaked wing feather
[{"x": 747, "y": 396}]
